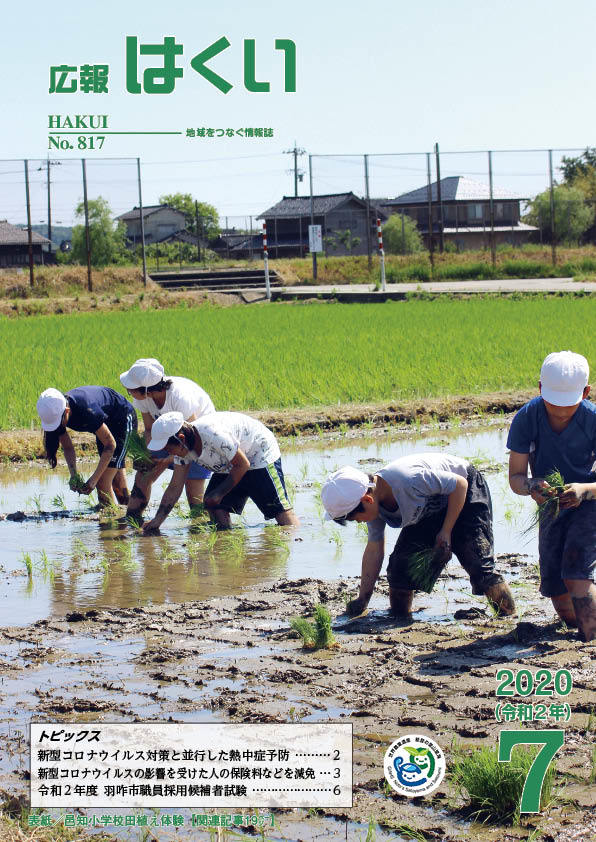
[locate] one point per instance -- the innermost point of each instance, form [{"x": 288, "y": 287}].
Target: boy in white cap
[
  {"x": 441, "y": 503},
  {"x": 153, "y": 394},
  {"x": 244, "y": 456},
  {"x": 92, "y": 409},
  {"x": 557, "y": 431}
]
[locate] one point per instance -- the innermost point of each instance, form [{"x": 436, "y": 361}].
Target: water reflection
[{"x": 80, "y": 564}]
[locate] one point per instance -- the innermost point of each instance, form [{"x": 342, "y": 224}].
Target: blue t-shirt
[
  {"x": 573, "y": 451},
  {"x": 92, "y": 406}
]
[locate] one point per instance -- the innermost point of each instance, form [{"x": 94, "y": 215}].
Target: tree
[
  {"x": 583, "y": 165},
  {"x": 107, "y": 239},
  {"x": 185, "y": 203},
  {"x": 573, "y": 216},
  {"x": 401, "y": 235}
]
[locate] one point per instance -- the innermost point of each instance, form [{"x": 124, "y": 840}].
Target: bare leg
[
  {"x": 141, "y": 490},
  {"x": 563, "y": 605},
  {"x": 400, "y": 602},
  {"x": 120, "y": 488},
  {"x": 105, "y": 496},
  {"x": 501, "y": 599},
  {"x": 583, "y": 597},
  {"x": 221, "y": 518},
  {"x": 195, "y": 491},
  {"x": 287, "y": 518}
]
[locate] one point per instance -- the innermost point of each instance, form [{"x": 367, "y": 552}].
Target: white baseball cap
[
  {"x": 142, "y": 373},
  {"x": 50, "y": 408},
  {"x": 563, "y": 378},
  {"x": 342, "y": 491},
  {"x": 163, "y": 427}
]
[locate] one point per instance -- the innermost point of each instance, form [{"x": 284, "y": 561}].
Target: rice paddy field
[{"x": 298, "y": 355}]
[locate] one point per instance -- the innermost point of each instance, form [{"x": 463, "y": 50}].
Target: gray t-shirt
[{"x": 420, "y": 484}]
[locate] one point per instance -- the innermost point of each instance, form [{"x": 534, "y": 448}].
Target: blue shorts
[
  {"x": 196, "y": 471},
  {"x": 567, "y": 548}
]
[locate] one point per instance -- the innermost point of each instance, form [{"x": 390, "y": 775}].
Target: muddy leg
[
  {"x": 195, "y": 490},
  {"x": 400, "y": 602},
  {"x": 104, "y": 488},
  {"x": 221, "y": 518},
  {"x": 583, "y": 597},
  {"x": 287, "y": 518},
  {"x": 501, "y": 599},
  {"x": 119, "y": 487},
  {"x": 563, "y": 605}
]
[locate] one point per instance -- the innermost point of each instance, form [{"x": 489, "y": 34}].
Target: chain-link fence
[
  {"x": 503, "y": 212},
  {"x": 442, "y": 202}
]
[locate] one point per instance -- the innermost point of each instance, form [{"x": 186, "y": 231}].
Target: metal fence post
[
  {"x": 553, "y": 230},
  {"x": 29, "y": 229},
  {"x": 368, "y": 237},
  {"x": 493, "y": 248},
  {"x": 430, "y": 217},
  {"x": 142, "y": 223},
  {"x": 312, "y": 217},
  {"x": 87, "y": 237}
]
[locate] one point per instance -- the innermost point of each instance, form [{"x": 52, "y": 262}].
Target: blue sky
[{"x": 389, "y": 77}]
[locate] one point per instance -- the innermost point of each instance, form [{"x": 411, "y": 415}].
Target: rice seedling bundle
[
  {"x": 549, "y": 510},
  {"x": 138, "y": 450},
  {"x": 317, "y": 635},
  {"x": 424, "y": 569}
]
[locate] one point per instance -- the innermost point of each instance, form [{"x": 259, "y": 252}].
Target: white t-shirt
[
  {"x": 421, "y": 484},
  {"x": 183, "y": 396},
  {"x": 223, "y": 433}
]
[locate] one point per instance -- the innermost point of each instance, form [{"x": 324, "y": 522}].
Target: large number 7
[{"x": 551, "y": 742}]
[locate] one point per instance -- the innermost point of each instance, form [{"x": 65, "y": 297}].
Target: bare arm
[
  {"x": 109, "y": 446},
  {"x": 455, "y": 503},
  {"x": 170, "y": 497},
  {"x": 520, "y": 482},
  {"x": 69, "y": 452},
  {"x": 240, "y": 466},
  {"x": 147, "y": 423},
  {"x": 372, "y": 561}
]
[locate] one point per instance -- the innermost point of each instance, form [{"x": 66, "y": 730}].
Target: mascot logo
[{"x": 414, "y": 765}]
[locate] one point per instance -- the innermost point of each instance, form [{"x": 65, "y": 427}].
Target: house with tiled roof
[
  {"x": 14, "y": 246},
  {"x": 466, "y": 217},
  {"x": 159, "y": 222},
  {"x": 346, "y": 224}
]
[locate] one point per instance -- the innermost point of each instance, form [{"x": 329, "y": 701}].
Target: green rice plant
[
  {"x": 46, "y": 565},
  {"x": 137, "y": 449},
  {"x": 424, "y": 569},
  {"x": 26, "y": 559},
  {"x": 549, "y": 510},
  {"x": 81, "y": 550},
  {"x": 317, "y": 635},
  {"x": 493, "y": 790},
  {"x": 336, "y": 538},
  {"x": 58, "y": 502},
  {"x": 76, "y": 482},
  {"x": 35, "y": 502}
]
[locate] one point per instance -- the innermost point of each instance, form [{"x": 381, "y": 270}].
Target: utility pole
[
  {"x": 47, "y": 167},
  {"x": 298, "y": 174}
]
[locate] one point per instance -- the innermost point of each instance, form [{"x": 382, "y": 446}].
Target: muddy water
[{"x": 79, "y": 563}]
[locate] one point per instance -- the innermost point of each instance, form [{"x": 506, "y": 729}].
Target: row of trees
[{"x": 108, "y": 238}]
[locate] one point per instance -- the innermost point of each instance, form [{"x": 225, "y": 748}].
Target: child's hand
[
  {"x": 540, "y": 490},
  {"x": 572, "y": 496}
]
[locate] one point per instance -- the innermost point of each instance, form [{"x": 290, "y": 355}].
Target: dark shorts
[
  {"x": 196, "y": 471},
  {"x": 567, "y": 548},
  {"x": 120, "y": 428},
  {"x": 471, "y": 540},
  {"x": 266, "y": 487}
]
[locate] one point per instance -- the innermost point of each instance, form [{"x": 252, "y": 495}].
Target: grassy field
[
  {"x": 284, "y": 355},
  {"x": 528, "y": 261}
]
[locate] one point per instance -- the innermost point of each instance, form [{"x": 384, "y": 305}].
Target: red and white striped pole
[
  {"x": 266, "y": 259},
  {"x": 382, "y": 253}
]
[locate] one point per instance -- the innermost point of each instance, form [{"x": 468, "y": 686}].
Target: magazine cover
[{"x": 297, "y": 441}]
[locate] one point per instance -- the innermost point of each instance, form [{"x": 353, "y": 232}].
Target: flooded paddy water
[{"x": 101, "y": 623}]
